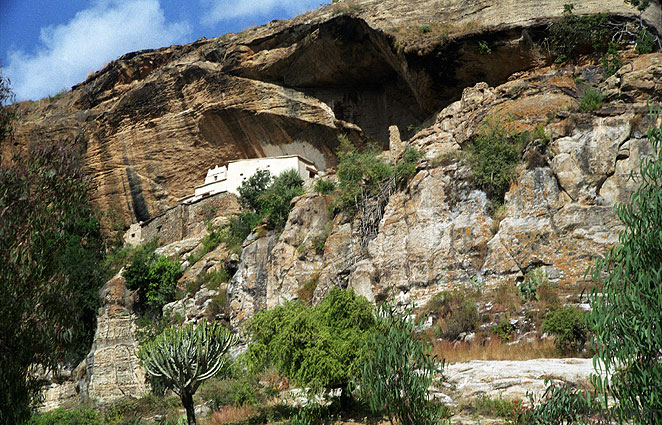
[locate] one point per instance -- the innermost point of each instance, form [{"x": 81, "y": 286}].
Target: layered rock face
[
  {"x": 440, "y": 232},
  {"x": 152, "y": 122}
]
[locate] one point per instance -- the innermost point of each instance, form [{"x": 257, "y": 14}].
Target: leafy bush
[
  {"x": 561, "y": 404},
  {"x": 626, "y": 312},
  {"x": 234, "y": 391},
  {"x": 397, "y": 370},
  {"x": 155, "y": 277},
  {"x": 568, "y": 327},
  {"x": 493, "y": 157},
  {"x": 312, "y": 346},
  {"x": 129, "y": 410},
  {"x": 497, "y": 407},
  {"x": 533, "y": 280},
  {"x": 275, "y": 201},
  {"x": 645, "y": 42},
  {"x": 611, "y": 60},
  {"x": 504, "y": 330},
  {"x": 305, "y": 293},
  {"x": 591, "y": 100},
  {"x": 217, "y": 305},
  {"x": 484, "y": 48},
  {"x": 66, "y": 417},
  {"x": 574, "y": 35},
  {"x": 252, "y": 189},
  {"x": 456, "y": 313},
  {"x": 324, "y": 186}
]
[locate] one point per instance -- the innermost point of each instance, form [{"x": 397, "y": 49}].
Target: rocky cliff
[{"x": 153, "y": 121}]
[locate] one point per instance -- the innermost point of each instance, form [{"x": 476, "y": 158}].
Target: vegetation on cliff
[{"x": 51, "y": 256}]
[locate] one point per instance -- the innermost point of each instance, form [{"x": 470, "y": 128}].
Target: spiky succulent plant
[{"x": 184, "y": 357}]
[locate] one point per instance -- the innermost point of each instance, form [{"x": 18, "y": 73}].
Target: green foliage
[
  {"x": 561, "y": 404},
  {"x": 155, "y": 277},
  {"x": 275, "y": 202},
  {"x": 484, "y": 48},
  {"x": 504, "y": 330},
  {"x": 497, "y": 407},
  {"x": 305, "y": 293},
  {"x": 235, "y": 391},
  {"x": 215, "y": 235},
  {"x": 611, "y": 60},
  {"x": 641, "y": 5},
  {"x": 626, "y": 300},
  {"x": 574, "y": 35},
  {"x": 568, "y": 327},
  {"x": 270, "y": 199},
  {"x": 66, "y": 417},
  {"x": 51, "y": 254},
  {"x": 591, "y": 100},
  {"x": 493, "y": 157},
  {"x": 365, "y": 175},
  {"x": 130, "y": 410},
  {"x": 252, "y": 188},
  {"x": 185, "y": 357},
  {"x": 217, "y": 305},
  {"x": 645, "y": 42},
  {"x": 533, "y": 280},
  {"x": 324, "y": 186},
  {"x": 8, "y": 111},
  {"x": 397, "y": 370},
  {"x": 312, "y": 346},
  {"x": 456, "y": 313},
  {"x": 425, "y": 29}
]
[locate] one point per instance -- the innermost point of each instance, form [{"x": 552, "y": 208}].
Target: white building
[{"x": 229, "y": 178}]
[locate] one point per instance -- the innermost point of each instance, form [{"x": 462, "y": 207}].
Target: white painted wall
[{"x": 239, "y": 171}]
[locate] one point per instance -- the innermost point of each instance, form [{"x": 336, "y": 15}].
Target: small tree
[
  {"x": 184, "y": 357},
  {"x": 251, "y": 189},
  {"x": 313, "y": 346},
  {"x": 398, "y": 370},
  {"x": 627, "y": 299}
]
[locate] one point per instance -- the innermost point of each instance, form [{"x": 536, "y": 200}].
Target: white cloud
[
  {"x": 92, "y": 38},
  {"x": 221, "y": 10}
]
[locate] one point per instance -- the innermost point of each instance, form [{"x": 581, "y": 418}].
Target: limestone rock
[
  {"x": 112, "y": 367},
  {"x": 512, "y": 380}
]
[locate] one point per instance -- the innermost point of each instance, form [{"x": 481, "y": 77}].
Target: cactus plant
[{"x": 184, "y": 357}]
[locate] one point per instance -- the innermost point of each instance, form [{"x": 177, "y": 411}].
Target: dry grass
[
  {"x": 493, "y": 349},
  {"x": 230, "y": 414}
]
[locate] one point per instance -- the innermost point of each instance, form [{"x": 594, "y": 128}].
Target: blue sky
[{"x": 49, "y": 45}]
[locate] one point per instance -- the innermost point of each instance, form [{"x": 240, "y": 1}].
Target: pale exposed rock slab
[{"x": 512, "y": 380}]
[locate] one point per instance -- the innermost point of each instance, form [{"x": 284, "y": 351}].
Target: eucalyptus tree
[
  {"x": 185, "y": 357},
  {"x": 627, "y": 300}
]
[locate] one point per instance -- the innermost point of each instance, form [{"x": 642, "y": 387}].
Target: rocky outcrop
[
  {"x": 152, "y": 122},
  {"x": 112, "y": 367},
  {"x": 512, "y": 380}
]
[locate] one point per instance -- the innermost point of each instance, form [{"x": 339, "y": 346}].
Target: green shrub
[
  {"x": 562, "y": 404},
  {"x": 611, "y": 60},
  {"x": 324, "y": 186},
  {"x": 252, "y": 189},
  {"x": 312, "y": 346},
  {"x": 275, "y": 202},
  {"x": 493, "y": 157},
  {"x": 591, "y": 100},
  {"x": 533, "y": 280},
  {"x": 496, "y": 407},
  {"x": 574, "y": 35},
  {"x": 456, "y": 313},
  {"x": 504, "y": 330},
  {"x": 645, "y": 42},
  {"x": 484, "y": 48},
  {"x": 397, "y": 370},
  {"x": 305, "y": 293},
  {"x": 155, "y": 277},
  {"x": 217, "y": 305},
  {"x": 364, "y": 175},
  {"x": 129, "y": 410},
  {"x": 568, "y": 328},
  {"x": 61, "y": 416},
  {"x": 236, "y": 391}
]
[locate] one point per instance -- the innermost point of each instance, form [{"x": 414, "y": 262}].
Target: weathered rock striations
[{"x": 153, "y": 121}]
